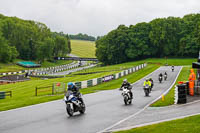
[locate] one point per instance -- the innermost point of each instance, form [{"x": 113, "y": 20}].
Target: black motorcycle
[
  {"x": 165, "y": 77},
  {"x": 172, "y": 68},
  {"x": 160, "y": 79},
  {"x": 73, "y": 104},
  {"x": 146, "y": 90},
  {"x": 151, "y": 86}
]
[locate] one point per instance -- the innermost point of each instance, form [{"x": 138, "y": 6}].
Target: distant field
[{"x": 83, "y": 48}]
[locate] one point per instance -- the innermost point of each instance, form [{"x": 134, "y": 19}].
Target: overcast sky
[{"x": 95, "y": 17}]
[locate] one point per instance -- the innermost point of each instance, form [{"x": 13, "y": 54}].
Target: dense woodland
[
  {"x": 30, "y": 40},
  {"x": 81, "y": 36},
  {"x": 162, "y": 37}
]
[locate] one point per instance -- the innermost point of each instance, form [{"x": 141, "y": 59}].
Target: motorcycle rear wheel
[{"x": 82, "y": 111}]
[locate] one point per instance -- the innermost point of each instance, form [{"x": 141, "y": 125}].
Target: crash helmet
[
  {"x": 147, "y": 79},
  {"x": 70, "y": 85},
  {"x": 125, "y": 80}
]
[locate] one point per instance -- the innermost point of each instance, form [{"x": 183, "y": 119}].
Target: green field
[
  {"x": 24, "y": 92},
  {"x": 172, "y": 61},
  {"x": 83, "y": 48},
  {"x": 185, "y": 125}
]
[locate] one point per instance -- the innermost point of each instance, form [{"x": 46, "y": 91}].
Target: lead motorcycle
[
  {"x": 73, "y": 104},
  {"x": 126, "y": 95},
  {"x": 146, "y": 90}
]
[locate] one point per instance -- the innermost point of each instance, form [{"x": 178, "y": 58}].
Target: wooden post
[
  {"x": 36, "y": 91},
  {"x": 53, "y": 89}
]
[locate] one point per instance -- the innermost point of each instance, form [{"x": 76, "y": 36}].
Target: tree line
[
  {"x": 30, "y": 40},
  {"x": 81, "y": 36},
  {"x": 162, "y": 37}
]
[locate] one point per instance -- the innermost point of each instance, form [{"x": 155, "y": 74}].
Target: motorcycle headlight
[
  {"x": 65, "y": 98},
  {"x": 70, "y": 97}
]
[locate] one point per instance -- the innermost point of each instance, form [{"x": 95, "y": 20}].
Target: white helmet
[{"x": 125, "y": 80}]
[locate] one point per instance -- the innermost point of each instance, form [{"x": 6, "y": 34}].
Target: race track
[{"x": 103, "y": 109}]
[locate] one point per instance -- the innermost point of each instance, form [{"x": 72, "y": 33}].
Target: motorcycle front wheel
[
  {"x": 126, "y": 99},
  {"x": 69, "y": 110},
  {"x": 146, "y": 92}
]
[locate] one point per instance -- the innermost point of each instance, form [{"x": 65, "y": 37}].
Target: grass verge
[{"x": 185, "y": 125}]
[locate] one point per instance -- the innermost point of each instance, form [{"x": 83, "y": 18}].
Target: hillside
[{"x": 83, "y": 48}]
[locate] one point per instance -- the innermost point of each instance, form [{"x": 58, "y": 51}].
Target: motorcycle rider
[
  {"x": 172, "y": 68},
  {"x": 160, "y": 75},
  {"x": 75, "y": 90},
  {"x": 165, "y": 75},
  {"x": 147, "y": 82},
  {"x": 151, "y": 80},
  {"x": 127, "y": 85}
]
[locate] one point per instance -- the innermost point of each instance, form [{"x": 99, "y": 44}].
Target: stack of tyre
[{"x": 182, "y": 93}]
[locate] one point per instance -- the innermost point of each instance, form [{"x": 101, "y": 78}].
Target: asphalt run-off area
[{"x": 104, "y": 110}]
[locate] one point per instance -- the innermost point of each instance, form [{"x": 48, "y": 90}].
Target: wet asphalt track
[{"x": 103, "y": 109}]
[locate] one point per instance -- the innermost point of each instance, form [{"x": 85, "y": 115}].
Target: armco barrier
[
  {"x": 99, "y": 80},
  {"x": 89, "y": 83},
  {"x": 96, "y": 81},
  {"x": 65, "y": 67}
]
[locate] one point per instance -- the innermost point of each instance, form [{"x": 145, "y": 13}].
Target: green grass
[
  {"x": 83, "y": 48},
  {"x": 111, "y": 68},
  {"x": 169, "y": 98},
  {"x": 185, "y": 125},
  {"x": 172, "y": 61},
  {"x": 23, "y": 93},
  {"x": 117, "y": 83}
]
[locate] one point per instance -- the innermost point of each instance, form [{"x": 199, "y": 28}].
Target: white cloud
[{"x": 95, "y": 17}]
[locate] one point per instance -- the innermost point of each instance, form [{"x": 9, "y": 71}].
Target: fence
[
  {"x": 59, "y": 88},
  {"x": 55, "y": 88},
  {"x": 96, "y": 81},
  {"x": 47, "y": 90}
]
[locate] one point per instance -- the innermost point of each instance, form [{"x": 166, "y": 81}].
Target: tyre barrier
[{"x": 180, "y": 94}]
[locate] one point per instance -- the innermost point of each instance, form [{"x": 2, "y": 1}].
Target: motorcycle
[
  {"x": 172, "y": 69},
  {"x": 165, "y": 77},
  {"x": 126, "y": 95},
  {"x": 146, "y": 90},
  {"x": 73, "y": 104},
  {"x": 160, "y": 79},
  {"x": 151, "y": 86}
]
